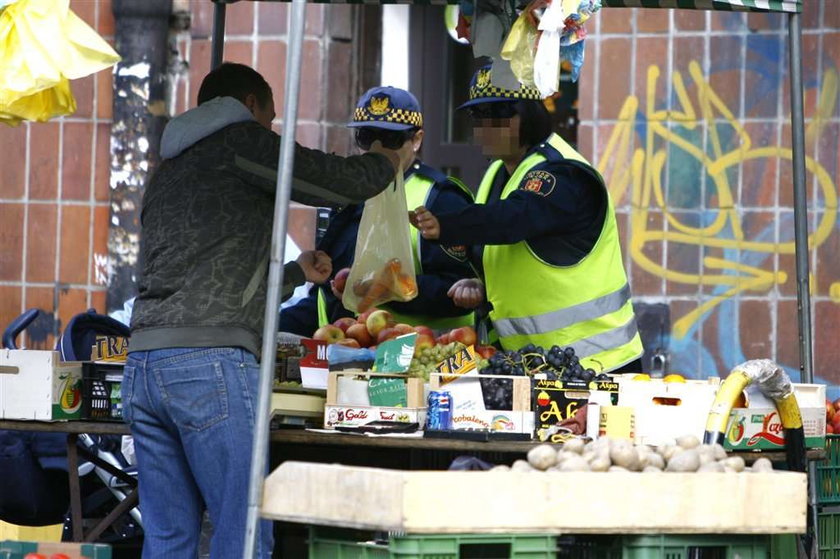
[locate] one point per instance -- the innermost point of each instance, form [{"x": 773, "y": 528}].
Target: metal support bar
[
  {"x": 218, "y": 45},
  {"x": 75, "y": 487},
  {"x": 259, "y": 455},
  {"x": 800, "y": 218}
]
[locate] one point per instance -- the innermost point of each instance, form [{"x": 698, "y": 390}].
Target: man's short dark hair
[
  {"x": 534, "y": 122},
  {"x": 234, "y": 80}
]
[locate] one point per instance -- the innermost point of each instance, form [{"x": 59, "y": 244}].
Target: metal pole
[
  {"x": 297, "y": 18},
  {"x": 218, "y": 46},
  {"x": 800, "y": 219}
]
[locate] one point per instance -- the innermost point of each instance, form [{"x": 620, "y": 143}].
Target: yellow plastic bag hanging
[
  {"x": 519, "y": 47},
  {"x": 42, "y": 45},
  {"x": 383, "y": 265}
]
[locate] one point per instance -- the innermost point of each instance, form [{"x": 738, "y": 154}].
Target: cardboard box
[
  {"x": 507, "y": 421},
  {"x": 556, "y": 401},
  {"x": 38, "y": 385},
  {"x": 758, "y": 427},
  {"x": 468, "y": 411},
  {"x": 314, "y": 368},
  {"x": 665, "y": 411}
]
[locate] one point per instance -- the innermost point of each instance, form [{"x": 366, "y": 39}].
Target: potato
[
  {"x": 735, "y": 462},
  {"x": 521, "y": 466},
  {"x": 542, "y": 457},
  {"x": 719, "y": 452},
  {"x": 574, "y": 464},
  {"x": 574, "y": 445},
  {"x": 762, "y": 465},
  {"x": 600, "y": 464},
  {"x": 500, "y": 468},
  {"x": 656, "y": 461},
  {"x": 685, "y": 461},
  {"x": 706, "y": 453},
  {"x": 668, "y": 451},
  {"x": 651, "y": 470},
  {"x": 623, "y": 454},
  {"x": 617, "y": 469},
  {"x": 688, "y": 441},
  {"x": 711, "y": 467}
]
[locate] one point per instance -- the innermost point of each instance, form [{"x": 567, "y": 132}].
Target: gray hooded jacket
[{"x": 207, "y": 221}]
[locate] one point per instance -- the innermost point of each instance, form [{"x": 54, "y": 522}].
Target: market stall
[{"x": 792, "y": 8}]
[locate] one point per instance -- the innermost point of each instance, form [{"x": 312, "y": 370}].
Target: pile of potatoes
[{"x": 616, "y": 455}]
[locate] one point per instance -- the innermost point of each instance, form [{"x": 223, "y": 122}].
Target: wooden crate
[
  {"x": 517, "y": 502},
  {"x": 519, "y": 419},
  {"x": 349, "y": 415}
]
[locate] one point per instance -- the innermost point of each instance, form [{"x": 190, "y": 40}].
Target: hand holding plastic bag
[{"x": 383, "y": 264}]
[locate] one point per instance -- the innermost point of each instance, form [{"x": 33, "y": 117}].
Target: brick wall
[
  {"x": 54, "y": 184},
  {"x": 687, "y": 115}
]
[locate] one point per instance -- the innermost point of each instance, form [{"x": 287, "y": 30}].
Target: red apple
[
  {"x": 344, "y": 323},
  {"x": 340, "y": 279},
  {"x": 443, "y": 339},
  {"x": 377, "y": 321},
  {"x": 404, "y": 328},
  {"x": 349, "y": 342},
  {"x": 829, "y": 429},
  {"x": 836, "y": 404},
  {"x": 829, "y": 411},
  {"x": 362, "y": 318},
  {"x": 359, "y": 332},
  {"x": 835, "y": 422},
  {"x": 328, "y": 333},
  {"x": 386, "y": 334},
  {"x": 422, "y": 342},
  {"x": 485, "y": 351},
  {"x": 425, "y": 330},
  {"x": 465, "y": 334}
]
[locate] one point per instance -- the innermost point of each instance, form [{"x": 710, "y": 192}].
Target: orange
[
  {"x": 641, "y": 376},
  {"x": 674, "y": 378}
]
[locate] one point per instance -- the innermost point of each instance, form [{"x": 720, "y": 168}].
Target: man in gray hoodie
[{"x": 191, "y": 378}]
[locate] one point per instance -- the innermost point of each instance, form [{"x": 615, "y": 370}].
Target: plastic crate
[
  {"x": 350, "y": 544},
  {"x": 783, "y": 546},
  {"x": 828, "y": 473},
  {"x": 18, "y": 550},
  {"x": 695, "y": 547},
  {"x": 101, "y": 391},
  {"x": 828, "y": 527}
]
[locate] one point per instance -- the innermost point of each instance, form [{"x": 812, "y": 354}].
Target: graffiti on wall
[{"x": 701, "y": 132}]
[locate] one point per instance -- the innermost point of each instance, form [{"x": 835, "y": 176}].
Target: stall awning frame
[{"x": 792, "y": 8}]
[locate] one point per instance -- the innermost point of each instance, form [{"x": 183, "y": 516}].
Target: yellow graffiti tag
[{"x": 640, "y": 169}]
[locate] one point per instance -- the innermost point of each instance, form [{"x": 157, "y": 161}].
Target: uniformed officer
[
  {"x": 552, "y": 266},
  {"x": 393, "y": 116}
]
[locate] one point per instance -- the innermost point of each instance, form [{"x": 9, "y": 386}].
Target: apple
[
  {"x": 359, "y": 332},
  {"x": 485, "y": 351},
  {"x": 344, "y": 323},
  {"x": 386, "y": 334},
  {"x": 829, "y": 411},
  {"x": 328, "y": 333},
  {"x": 362, "y": 318},
  {"x": 361, "y": 287},
  {"x": 829, "y": 429},
  {"x": 349, "y": 342},
  {"x": 465, "y": 334},
  {"x": 377, "y": 321},
  {"x": 836, "y": 404},
  {"x": 404, "y": 328},
  {"x": 835, "y": 422},
  {"x": 422, "y": 342},
  {"x": 425, "y": 330},
  {"x": 443, "y": 339},
  {"x": 340, "y": 279}
]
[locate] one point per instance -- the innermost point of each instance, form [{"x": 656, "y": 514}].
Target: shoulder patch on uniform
[
  {"x": 538, "y": 182},
  {"x": 458, "y": 252}
]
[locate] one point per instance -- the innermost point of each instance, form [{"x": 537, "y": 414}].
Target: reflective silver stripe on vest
[
  {"x": 555, "y": 320},
  {"x": 610, "y": 339}
]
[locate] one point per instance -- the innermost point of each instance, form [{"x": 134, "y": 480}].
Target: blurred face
[
  {"x": 390, "y": 139},
  {"x": 496, "y": 129}
]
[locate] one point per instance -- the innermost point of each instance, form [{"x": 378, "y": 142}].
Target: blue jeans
[{"x": 192, "y": 412}]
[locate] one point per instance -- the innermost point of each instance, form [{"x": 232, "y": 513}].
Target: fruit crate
[
  {"x": 349, "y": 544},
  {"x": 19, "y": 550},
  {"x": 101, "y": 391},
  {"x": 828, "y": 526},
  {"x": 697, "y": 546},
  {"x": 828, "y": 473}
]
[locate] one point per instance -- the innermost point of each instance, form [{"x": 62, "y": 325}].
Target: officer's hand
[
  {"x": 316, "y": 265},
  {"x": 426, "y": 222},
  {"x": 400, "y": 158},
  {"x": 467, "y": 293}
]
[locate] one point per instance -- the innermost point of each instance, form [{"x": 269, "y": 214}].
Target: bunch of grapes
[{"x": 425, "y": 361}]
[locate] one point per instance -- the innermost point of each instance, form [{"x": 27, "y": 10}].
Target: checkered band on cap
[
  {"x": 482, "y": 88},
  {"x": 400, "y": 116}
]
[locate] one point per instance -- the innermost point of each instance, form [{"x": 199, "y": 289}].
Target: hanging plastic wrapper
[
  {"x": 43, "y": 44},
  {"x": 519, "y": 47},
  {"x": 383, "y": 265}
]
